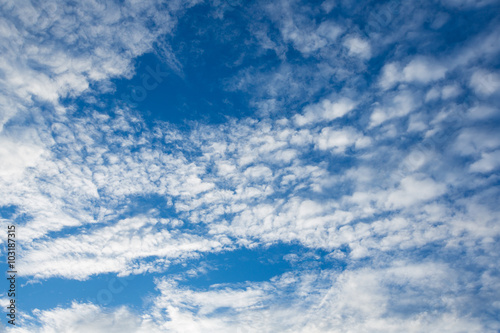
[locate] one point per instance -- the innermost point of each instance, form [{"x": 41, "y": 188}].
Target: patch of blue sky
[
  {"x": 13, "y": 214},
  {"x": 236, "y": 267},
  {"x": 8, "y": 212},
  {"x": 107, "y": 290},
  {"x": 259, "y": 264}
]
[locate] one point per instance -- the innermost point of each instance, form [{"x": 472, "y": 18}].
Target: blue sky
[{"x": 251, "y": 166}]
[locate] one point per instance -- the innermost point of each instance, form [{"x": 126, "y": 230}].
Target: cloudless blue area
[{"x": 104, "y": 289}]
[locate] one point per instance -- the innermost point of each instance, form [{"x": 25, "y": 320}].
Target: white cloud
[
  {"x": 390, "y": 75},
  {"x": 326, "y": 110},
  {"x": 73, "y": 48},
  {"x": 401, "y": 105},
  {"x": 351, "y": 301},
  {"x": 487, "y": 163},
  {"x": 300, "y": 30},
  {"x": 485, "y": 83},
  {"x": 329, "y": 30},
  {"x": 414, "y": 190},
  {"x": 421, "y": 70},
  {"x": 472, "y": 141},
  {"x": 358, "y": 47},
  {"x": 16, "y": 157},
  {"x": 481, "y": 112},
  {"x": 450, "y": 91},
  {"x": 87, "y": 317},
  {"x": 116, "y": 248},
  {"x": 338, "y": 140}
]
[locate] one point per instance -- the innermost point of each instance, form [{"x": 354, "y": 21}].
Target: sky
[{"x": 251, "y": 166}]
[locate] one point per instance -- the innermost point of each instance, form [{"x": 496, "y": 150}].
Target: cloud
[
  {"x": 56, "y": 50},
  {"x": 297, "y": 28},
  {"x": 117, "y": 248},
  {"x": 400, "y": 105},
  {"x": 470, "y": 141},
  {"x": 485, "y": 83},
  {"x": 412, "y": 191},
  {"x": 359, "y": 300},
  {"x": 422, "y": 70},
  {"x": 358, "y": 47},
  {"x": 86, "y": 317},
  {"x": 339, "y": 140},
  {"x": 326, "y": 110},
  {"x": 17, "y": 157},
  {"x": 390, "y": 75},
  {"x": 481, "y": 111},
  {"x": 487, "y": 163}
]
